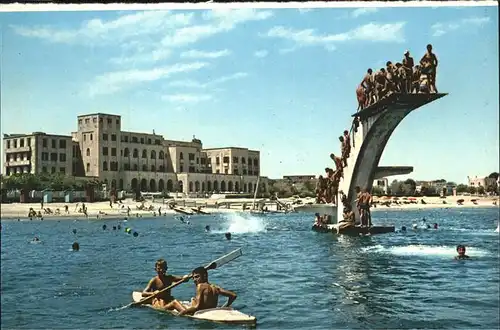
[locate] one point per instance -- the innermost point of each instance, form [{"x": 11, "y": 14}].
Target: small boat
[
  {"x": 182, "y": 211},
  {"x": 218, "y": 315},
  {"x": 199, "y": 211}
]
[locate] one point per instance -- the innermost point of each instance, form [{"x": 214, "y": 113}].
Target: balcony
[
  {"x": 18, "y": 149},
  {"x": 17, "y": 163}
]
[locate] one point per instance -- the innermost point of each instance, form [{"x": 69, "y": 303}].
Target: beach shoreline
[{"x": 102, "y": 210}]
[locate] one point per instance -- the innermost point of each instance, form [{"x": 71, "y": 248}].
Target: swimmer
[
  {"x": 207, "y": 228},
  {"x": 103, "y": 227},
  {"x": 435, "y": 226},
  {"x": 228, "y": 236},
  {"x": 136, "y": 234},
  {"x": 36, "y": 239},
  {"x": 74, "y": 231},
  {"x": 461, "y": 253},
  {"x": 75, "y": 246},
  {"x": 403, "y": 229}
]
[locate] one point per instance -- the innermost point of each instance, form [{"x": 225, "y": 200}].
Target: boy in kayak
[
  {"x": 207, "y": 295},
  {"x": 159, "y": 282}
]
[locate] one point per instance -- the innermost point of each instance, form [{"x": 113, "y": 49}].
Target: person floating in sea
[
  {"x": 207, "y": 295},
  {"x": 161, "y": 281},
  {"x": 461, "y": 253}
]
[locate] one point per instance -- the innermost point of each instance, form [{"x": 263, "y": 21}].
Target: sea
[{"x": 289, "y": 276}]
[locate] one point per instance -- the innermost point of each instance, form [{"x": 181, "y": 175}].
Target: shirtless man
[
  {"x": 402, "y": 79},
  {"x": 348, "y": 219},
  {"x": 390, "y": 75},
  {"x": 335, "y": 187},
  {"x": 431, "y": 58},
  {"x": 380, "y": 84},
  {"x": 408, "y": 66},
  {"x": 159, "y": 282},
  {"x": 368, "y": 85},
  {"x": 343, "y": 149},
  {"x": 364, "y": 206},
  {"x": 207, "y": 295},
  {"x": 329, "y": 183},
  {"x": 347, "y": 141},
  {"x": 320, "y": 190},
  {"x": 338, "y": 163}
]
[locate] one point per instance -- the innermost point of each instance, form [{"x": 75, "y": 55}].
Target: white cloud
[
  {"x": 118, "y": 80},
  {"x": 186, "y": 98},
  {"x": 304, "y": 10},
  {"x": 142, "y": 57},
  {"x": 261, "y": 53},
  {"x": 363, "y": 11},
  {"x": 203, "y": 54},
  {"x": 189, "y": 83},
  {"x": 391, "y": 32},
  {"x": 98, "y": 32},
  {"x": 440, "y": 29}
]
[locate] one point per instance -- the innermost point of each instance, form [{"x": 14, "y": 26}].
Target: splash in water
[
  {"x": 240, "y": 223},
  {"x": 424, "y": 250}
]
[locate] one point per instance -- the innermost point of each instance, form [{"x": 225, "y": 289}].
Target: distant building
[
  {"x": 475, "y": 181},
  {"x": 130, "y": 160},
  {"x": 299, "y": 178},
  {"x": 382, "y": 184}
]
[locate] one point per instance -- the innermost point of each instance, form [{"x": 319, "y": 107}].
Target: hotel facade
[{"x": 129, "y": 160}]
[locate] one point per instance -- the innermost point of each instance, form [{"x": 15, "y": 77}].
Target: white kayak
[{"x": 219, "y": 314}]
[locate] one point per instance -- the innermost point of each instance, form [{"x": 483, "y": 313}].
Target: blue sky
[{"x": 278, "y": 80}]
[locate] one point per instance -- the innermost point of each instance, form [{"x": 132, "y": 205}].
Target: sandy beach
[{"x": 102, "y": 210}]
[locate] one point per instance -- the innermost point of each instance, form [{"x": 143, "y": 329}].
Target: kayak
[{"x": 218, "y": 315}]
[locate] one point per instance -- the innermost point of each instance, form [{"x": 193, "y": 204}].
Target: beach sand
[{"x": 102, "y": 210}]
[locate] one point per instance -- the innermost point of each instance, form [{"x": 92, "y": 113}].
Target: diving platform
[
  {"x": 384, "y": 171},
  {"x": 356, "y": 231}
]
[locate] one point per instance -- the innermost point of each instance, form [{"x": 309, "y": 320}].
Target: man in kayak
[
  {"x": 207, "y": 295},
  {"x": 159, "y": 282}
]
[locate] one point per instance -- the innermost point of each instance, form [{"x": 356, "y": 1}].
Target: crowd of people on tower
[{"x": 403, "y": 77}]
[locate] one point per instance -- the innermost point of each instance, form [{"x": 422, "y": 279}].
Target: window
[
  {"x": 134, "y": 139},
  {"x": 113, "y": 137},
  {"x": 88, "y": 152},
  {"x": 80, "y": 121},
  {"x": 126, "y": 138},
  {"x": 91, "y": 135},
  {"x": 149, "y": 141},
  {"x": 160, "y": 155},
  {"x": 84, "y": 137},
  {"x": 126, "y": 167},
  {"x": 44, "y": 143},
  {"x": 236, "y": 171},
  {"x": 136, "y": 153},
  {"x": 88, "y": 167},
  {"x": 44, "y": 169},
  {"x": 153, "y": 154},
  {"x": 244, "y": 172},
  {"x": 28, "y": 142},
  {"x": 181, "y": 156},
  {"x": 136, "y": 167},
  {"x": 100, "y": 120},
  {"x": 53, "y": 156},
  {"x": 117, "y": 122},
  {"x": 54, "y": 143},
  {"x": 217, "y": 171},
  {"x": 181, "y": 168},
  {"x": 105, "y": 137},
  {"x": 158, "y": 142},
  {"x": 104, "y": 151},
  {"x": 8, "y": 144},
  {"x": 113, "y": 151},
  {"x": 255, "y": 162},
  {"x": 225, "y": 160},
  {"x": 126, "y": 152},
  {"x": 203, "y": 161},
  {"x": 21, "y": 143},
  {"x": 217, "y": 160},
  {"x": 53, "y": 170},
  {"x": 110, "y": 121},
  {"x": 94, "y": 120},
  {"x": 197, "y": 160},
  {"x": 153, "y": 168},
  {"x": 142, "y": 140},
  {"x": 62, "y": 144},
  {"x": 87, "y": 120},
  {"x": 191, "y": 156},
  {"x": 243, "y": 161},
  {"x": 62, "y": 157},
  {"x": 45, "y": 156},
  {"x": 191, "y": 169},
  {"x": 226, "y": 171},
  {"x": 144, "y": 154},
  {"x": 235, "y": 160},
  {"x": 145, "y": 167},
  {"x": 62, "y": 170},
  {"x": 15, "y": 143},
  {"x": 104, "y": 166}
]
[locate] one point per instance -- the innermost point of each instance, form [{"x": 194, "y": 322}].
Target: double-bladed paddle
[{"x": 213, "y": 265}]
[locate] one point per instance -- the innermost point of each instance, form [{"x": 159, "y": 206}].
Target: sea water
[{"x": 289, "y": 277}]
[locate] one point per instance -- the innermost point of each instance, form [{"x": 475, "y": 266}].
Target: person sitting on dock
[
  {"x": 348, "y": 219},
  {"x": 161, "y": 281},
  {"x": 207, "y": 295},
  {"x": 461, "y": 253},
  {"x": 430, "y": 58}
]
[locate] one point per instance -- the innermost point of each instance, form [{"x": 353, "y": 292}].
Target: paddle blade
[{"x": 224, "y": 259}]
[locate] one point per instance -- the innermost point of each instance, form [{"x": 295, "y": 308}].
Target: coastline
[{"x": 102, "y": 210}]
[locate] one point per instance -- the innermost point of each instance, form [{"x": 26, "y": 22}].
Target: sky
[{"x": 281, "y": 81}]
